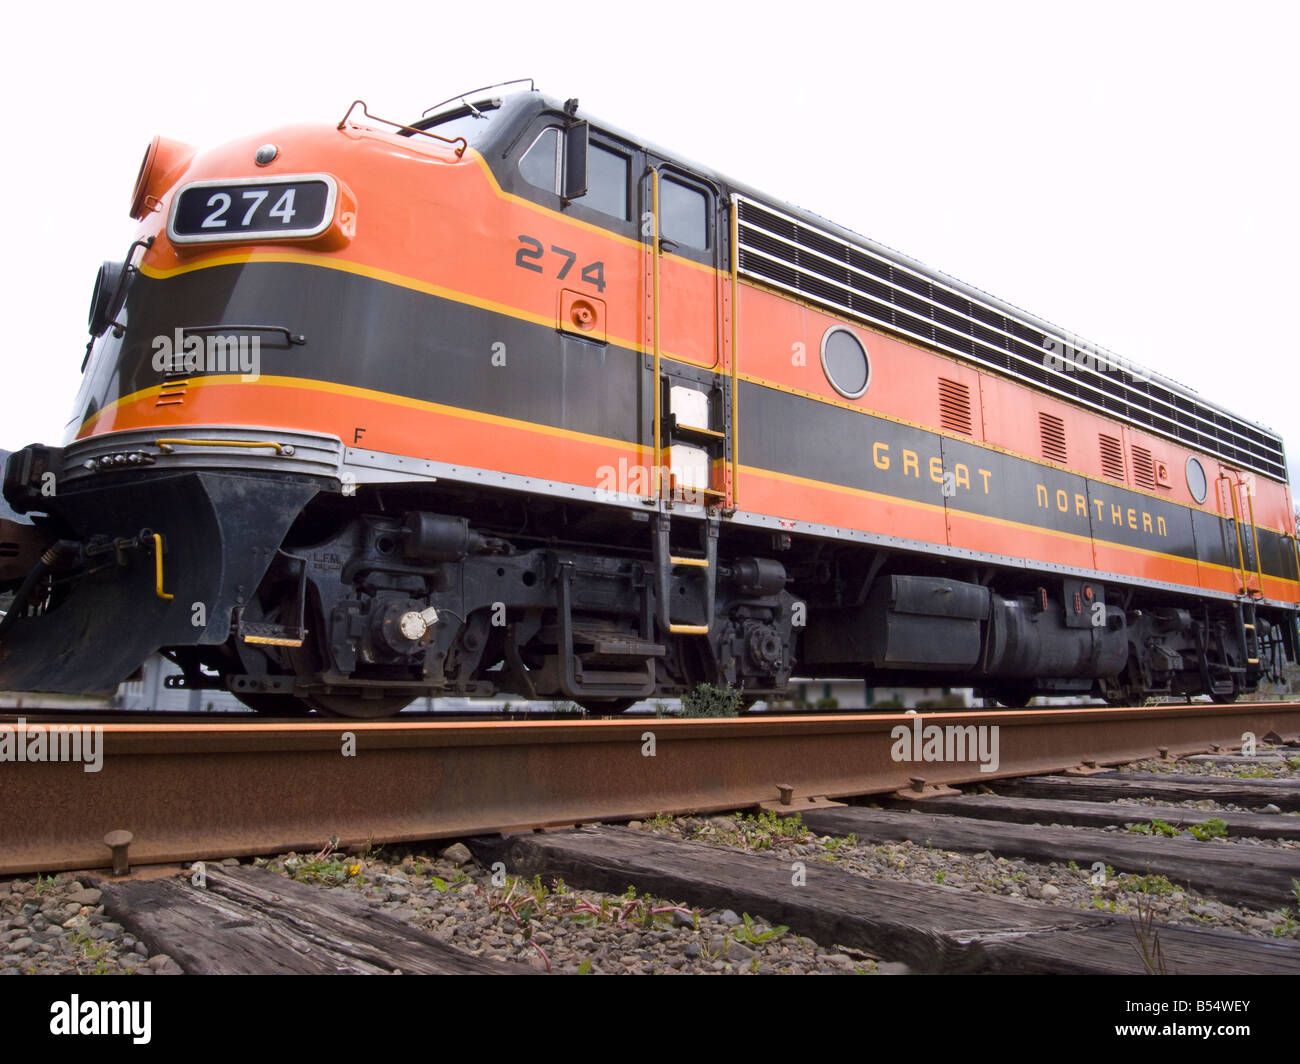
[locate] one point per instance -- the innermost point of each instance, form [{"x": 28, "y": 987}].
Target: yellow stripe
[
  {"x": 390, "y": 277},
  {"x": 384, "y": 397}
]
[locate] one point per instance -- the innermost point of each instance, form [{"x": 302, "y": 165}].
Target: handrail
[
  {"x": 167, "y": 445},
  {"x": 158, "y": 569},
  {"x": 410, "y": 129},
  {"x": 1236, "y": 528},
  {"x": 735, "y": 353},
  {"x": 656, "y": 488},
  {"x": 532, "y": 87},
  {"x": 1254, "y": 537}
]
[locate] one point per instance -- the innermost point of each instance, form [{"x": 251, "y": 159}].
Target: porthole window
[
  {"x": 1197, "y": 484},
  {"x": 845, "y": 362}
]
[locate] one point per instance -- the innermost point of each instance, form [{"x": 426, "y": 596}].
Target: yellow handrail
[
  {"x": 735, "y": 352},
  {"x": 1254, "y": 537},
  {"x": 158, "y": 569},
  {"x": 655, "y": 486},
  {"x": 1236, "y": 527},
  {"x": 168, "y": 444}
]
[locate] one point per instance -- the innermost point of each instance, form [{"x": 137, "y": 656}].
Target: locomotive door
[
  {"x": 691, "y": 404},
  {"x": 1236, "y": 493}
]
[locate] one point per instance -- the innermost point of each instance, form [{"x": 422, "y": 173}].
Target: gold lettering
[
  {"x": 1132, "y": 519},
  {"x": 1116, "y": 515},
  {"x": 936, "y": 470},
  {"x": 1063, "y": 500},
  {"x": 1161, "y": 527},
  {"x": 1041, "y": 494},
  {"x": 985, "y": 474},
  {"x": 1098, "y": 503},
  {"x": 962, "y": 476},
  {"x": 1146, "y": 521},
  {"x": 880, "y": 455},
  {"x": 910, "y": 461},
  {"x": 1080, "y": 505}
]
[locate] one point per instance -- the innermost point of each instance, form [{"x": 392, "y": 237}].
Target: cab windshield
[{"x": 464, "y": 121}]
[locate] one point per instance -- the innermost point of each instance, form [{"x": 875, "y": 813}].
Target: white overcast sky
[{"x": 1125, "y": 170}]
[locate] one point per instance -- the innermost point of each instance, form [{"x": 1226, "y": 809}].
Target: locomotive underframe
[
  {"x": 357, "y": 598},
  {"x": 576, "y": 618}
]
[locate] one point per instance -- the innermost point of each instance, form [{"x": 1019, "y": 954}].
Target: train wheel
[
  {"x": 307, "y": 663},
  {"x": 1013, "y": 697},
  {"x": 357, "y": 707},
  {"x": 609, "y": 707},
  {"x": 275, "y": 705}
]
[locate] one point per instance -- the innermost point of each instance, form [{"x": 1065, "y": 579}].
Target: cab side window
[
  {"x": 608, "y": 172},
  {"x": 607, "y": 181},
  {"x": 540, "y": 165}
]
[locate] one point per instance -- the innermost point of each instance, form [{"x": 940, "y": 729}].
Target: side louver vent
[
  {"x": 1144, "y": 469},
  {"x": 1051, "y": 430},
  {"x": 954, "y": 406},
  {"x": 1112, "y": 456}
]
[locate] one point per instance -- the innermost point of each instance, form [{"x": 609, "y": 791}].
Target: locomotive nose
[{"x": 217, "y": 533}]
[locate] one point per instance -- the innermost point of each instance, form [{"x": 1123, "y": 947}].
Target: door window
[{"x": 684, "y": 214}]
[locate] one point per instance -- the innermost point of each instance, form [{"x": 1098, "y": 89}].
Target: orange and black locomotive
[{"x": 508, "y": 400}]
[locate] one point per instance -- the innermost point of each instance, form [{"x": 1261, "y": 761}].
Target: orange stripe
[{"x": 389, "y": 424}]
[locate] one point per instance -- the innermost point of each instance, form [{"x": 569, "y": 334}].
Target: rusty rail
[{"x": 233, "y": 789}]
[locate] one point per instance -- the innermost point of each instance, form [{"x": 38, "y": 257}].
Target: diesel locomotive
[{"x": 508, "y": 400}]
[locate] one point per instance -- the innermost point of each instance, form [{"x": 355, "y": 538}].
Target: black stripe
[
  {"x": 802, "y": 437},
  {"x": 370, "y": 334}
]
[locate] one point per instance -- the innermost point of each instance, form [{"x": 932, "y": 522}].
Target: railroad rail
[{"x": 235, "y": 789}]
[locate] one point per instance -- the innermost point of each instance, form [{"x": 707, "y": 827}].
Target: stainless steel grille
[{"x": 806, "y": 260}]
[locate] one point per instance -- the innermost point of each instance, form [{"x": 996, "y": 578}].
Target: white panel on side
[
  {"x": 690, "y": 465},
  {"x": 690, "y": 407}
]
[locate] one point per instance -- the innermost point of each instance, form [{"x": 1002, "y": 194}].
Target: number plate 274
[{"x": 276, "y": 208}]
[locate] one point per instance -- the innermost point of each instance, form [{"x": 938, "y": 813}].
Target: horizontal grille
[
  {"x": 809, "y": 261},
  {"x": 954, "y": 406},
  {"x": 1112, "y": 456},
  {"x": 1051, "y": 431}
]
